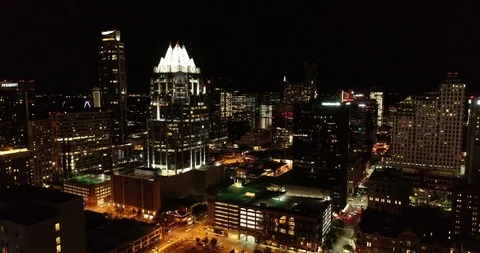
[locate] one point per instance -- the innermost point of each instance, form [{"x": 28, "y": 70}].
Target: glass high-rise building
[
  {"x": 178, "y": 121},
  {"x": 113, "y": 83}
]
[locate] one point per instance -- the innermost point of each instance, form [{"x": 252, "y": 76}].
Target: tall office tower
[
  {"x": 41, "y": 144},
  {"x": 363, "y": 126},
  {"x": 178, "y": 122},
  {"x": 311, "y": 77},
  {"x": 14, "y": 111},
  {"x": 377, "y": 95},
  {"x": 82, "y": 141},
  {"x": 113, "y": 83},
  {"x": 473, "y": 142},
  {"x": 96, "y": 95},
  {"x": 320, "y": 143},
  {"x": 219, "y": 112},
  {"x": 427, "y": 131},
  {"x": 41, "y": 220},
  {"x": 296, "y": 92}
]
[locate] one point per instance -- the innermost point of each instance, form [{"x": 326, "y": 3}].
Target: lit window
[
  {"x": 58, "y": 240},
  {"x": 59, "y": 248},
  {"x": 57, "y": 226},
  {"x": 369, "y": 244}
]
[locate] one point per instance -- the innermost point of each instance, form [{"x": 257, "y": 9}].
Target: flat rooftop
[
  {"x": 238, "y": 195},
  {"x": 35, "y": 193},
  {"x": 87, "y": 180},
  {"x": 209, "y": 167},
  {"x": 389, "y": 174},
  {"x": 279, "y": 201},
  {"x": 10, "y": 151},
  {"x": 105, "y": 235},
  {"x": 23, "y": 215}
]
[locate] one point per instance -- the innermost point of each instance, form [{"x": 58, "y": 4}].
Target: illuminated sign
[{"x": 9, "y": 85}]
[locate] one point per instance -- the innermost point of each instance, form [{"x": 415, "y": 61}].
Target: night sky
[{"x": 404, "y": 47}]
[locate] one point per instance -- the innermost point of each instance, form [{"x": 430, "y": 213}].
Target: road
[
  {"x": 183, "y": 240},
  {"x": 176, "y": 238}
]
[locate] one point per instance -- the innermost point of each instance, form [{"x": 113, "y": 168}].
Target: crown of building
[{"x": 176, "y": 60}]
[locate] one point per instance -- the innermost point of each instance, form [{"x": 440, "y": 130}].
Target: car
[{"x": 169, "y": 240}]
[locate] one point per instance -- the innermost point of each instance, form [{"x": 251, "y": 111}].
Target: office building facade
[
  {"x": 82, "y": 141},
  {"x": 427, "y": 131}
]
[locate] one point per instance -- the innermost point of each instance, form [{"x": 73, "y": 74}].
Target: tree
[
  {"x": 205, "y": 240},
  {"x": 197, "y": 240},
  {"x": 213, "y": 242},
  {"x": 139, "y": 213},
  {"x": 267, "y": 250},
  {"x": 134, "y": 211},
  {"x": 257, "y": 251}
]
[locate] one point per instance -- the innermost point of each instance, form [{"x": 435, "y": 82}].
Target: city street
[
  {"x": 183, "y": 239},
  {"x": 348, "y": 233}
]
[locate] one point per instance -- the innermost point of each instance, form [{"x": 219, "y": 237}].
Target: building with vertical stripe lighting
[{"x": 178, "y": 121}]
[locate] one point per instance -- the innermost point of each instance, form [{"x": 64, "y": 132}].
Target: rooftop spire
[{"x": 176, "y": 60}]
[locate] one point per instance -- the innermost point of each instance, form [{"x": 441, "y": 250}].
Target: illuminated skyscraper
[
  {"x": 428, "y": 129},
  {"x": 96, "y": 97},
  {"x": 178, "y": 121},
  {"x": 113, "y": 83},
  {"x": 15, "y": 103},
  {"x": 378, "y": 96}
]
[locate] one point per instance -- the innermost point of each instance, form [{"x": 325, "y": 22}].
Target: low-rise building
[
  {"x": 417, "y": 230},
  {"x": 387, "y": 190},
  {"x": 94, "y": 189},
  {"x": 145, "y": 190},
  {"x": 270, "y": 217},
  {"x": 119, "y": 236}
]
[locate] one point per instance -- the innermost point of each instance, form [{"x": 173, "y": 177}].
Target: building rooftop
[
  {"x": 10, "y": 151},
  {"x": 319, "y": 179},
  {"x": 389, "y": 174},
  {"x": 239, "y": 194},
  {"x": 87, "y": 180},
  {"x": 23, "y": 214},
  {"x": 35, "y": 193},
  {"x": 280, "y": 201},
  {"x": 209, "y": 167},
  {"x": 104, "y": 235},
  {"x": 140, "y": 172}
]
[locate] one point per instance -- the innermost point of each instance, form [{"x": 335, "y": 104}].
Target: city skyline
[
  {"x": 348, "y": 126},
  {"x": 362, "y": 45}
]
